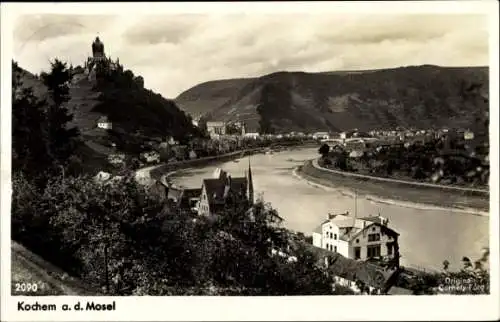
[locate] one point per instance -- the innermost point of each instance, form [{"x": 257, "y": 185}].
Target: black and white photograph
[{"x": 247, "y": 154}]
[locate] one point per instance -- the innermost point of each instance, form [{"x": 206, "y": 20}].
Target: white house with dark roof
[
  {"x": 358, "y": 238},
  {"x": 104, "y": 123}
]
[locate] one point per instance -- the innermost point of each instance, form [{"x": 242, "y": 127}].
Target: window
[
  {"x": 373, "y": 228},
  {"x": 373, "y": 251},
  {"x": 389, "y": 249},
  {"x": 335, "y": 248},
  {"x": 357, "y": 241},
  {"x": 357, "y": 252},
  {"x": 335, "y": 236},
  {"x": 373, "y": 237}
]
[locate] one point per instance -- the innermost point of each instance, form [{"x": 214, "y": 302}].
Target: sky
[{"x": 176, "y": 52}]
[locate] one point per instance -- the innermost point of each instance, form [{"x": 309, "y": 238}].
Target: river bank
[
  {"x": 465, "y": 200},
  {"x": 156, "y": 172}
]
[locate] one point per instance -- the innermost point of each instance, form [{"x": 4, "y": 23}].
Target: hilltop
[
  {"x": 415, "y": 96},
  {"x": 136, "y": 114}
]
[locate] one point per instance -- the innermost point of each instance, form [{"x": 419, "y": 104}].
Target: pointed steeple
[{"x": 250, "y": 183}]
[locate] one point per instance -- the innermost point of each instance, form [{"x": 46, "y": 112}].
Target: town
[{"x": 122, "y": 224}]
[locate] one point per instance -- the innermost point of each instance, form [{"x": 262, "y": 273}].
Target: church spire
[{"x": 250, "y": 183}]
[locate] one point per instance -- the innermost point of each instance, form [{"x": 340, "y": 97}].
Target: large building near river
[{"x": 358, "y": 238}]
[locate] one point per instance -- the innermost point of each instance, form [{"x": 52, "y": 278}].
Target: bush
[{"x": 85, "y": 227}]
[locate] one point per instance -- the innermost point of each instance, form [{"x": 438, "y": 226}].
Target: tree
[
  {"x": 62, "y": 138},
  {"x": 324, "y": 150},
  {"x": 118, "y": 238},
  {"x": 30, "y": 150}
]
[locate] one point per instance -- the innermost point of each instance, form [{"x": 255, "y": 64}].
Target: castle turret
[
  {"x": 97, "y": 49},
  {"x": 250, "y": 184}
]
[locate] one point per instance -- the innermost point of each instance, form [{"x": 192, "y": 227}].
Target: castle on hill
[{"x": 98, "y": 60}]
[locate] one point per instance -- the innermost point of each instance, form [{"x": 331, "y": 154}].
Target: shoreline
[
  {"x": 158, "y": 171},
  {"x": 405, "y": 201}
]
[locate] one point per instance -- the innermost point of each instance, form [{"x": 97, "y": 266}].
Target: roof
[
  {"x": 192, "y": 193},
  {"x": 215, "y": 188},
  {"x": 350, "y": 227},
  {"x": 346, "y": 234},
  {"x": 219, "y": 123},
  {"x": 353, "y": 270},
  {"x": 350, "y": 269},
  {"x": 186, "y": 195},
  {"x": 374, "y": 219},
  {"x": 103, "y": 119}
]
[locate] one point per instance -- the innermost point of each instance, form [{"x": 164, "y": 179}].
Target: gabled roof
[
  {"x": 353, "y": 270},
  {"x": 215, "y": 188},
  {"x": 183, "y": 201},
  {"x": 103, "y": 119},
  {"x": 370, "y": 274},
  {"x": 192, "y": 193},
  {"x": 385, "y": 229},
  {"x": 374, "y": 219}
]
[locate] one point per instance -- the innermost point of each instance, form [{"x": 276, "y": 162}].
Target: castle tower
[
  {"x": 250, "y": 184},
  {"x": 97, "y": 49}
]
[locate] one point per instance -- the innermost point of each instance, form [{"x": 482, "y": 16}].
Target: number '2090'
[{"x": 26, "y": 287}]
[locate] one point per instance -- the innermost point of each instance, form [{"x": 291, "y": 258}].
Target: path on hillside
[{"x": 28, "y": 267}]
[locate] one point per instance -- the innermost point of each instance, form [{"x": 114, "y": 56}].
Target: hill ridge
[{"x": 413, "y": 96}]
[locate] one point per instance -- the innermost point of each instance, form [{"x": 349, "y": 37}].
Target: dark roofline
[{"x": 373, "y": 223}]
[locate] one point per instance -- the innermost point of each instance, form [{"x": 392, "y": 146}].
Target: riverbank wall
[
  {"x": 398, "y": 190},
  {"x": 201, "y": 162}
]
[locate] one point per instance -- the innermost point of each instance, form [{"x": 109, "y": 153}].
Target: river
[{"x": 427, "y": 235}]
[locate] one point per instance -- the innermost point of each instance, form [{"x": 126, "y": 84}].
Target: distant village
[{"x": 362, "y": 252}]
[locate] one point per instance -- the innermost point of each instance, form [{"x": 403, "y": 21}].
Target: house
[
  {"x": 102, "y": 176},
  {"x": 468, "y": 135},
  {"x": 216, "y": 128},
  {"x": 182, "y": 199},
  {"x": 171, "y": 141},
  {"x": 216, "y": 192},
  {"x": 358, "y": 153},
  {"x": 116, "y": 158},
  {"x": 321, "y": 135},
  {"x": 151, "y": 157},
  {"x": 358, "y": 238},
  {"x": 359, "y": 276},
  {"x": 190, "y": 199},
  {"x": 251, "y": 135},
  {"x": 238, "y": 128},
  {"x": 180, "y": 152},
  {"x": 192, "y": 155},
  {"x": 104, "y": 123}
]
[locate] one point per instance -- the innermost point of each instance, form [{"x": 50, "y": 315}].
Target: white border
[{"x": 256, "y": 308}]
